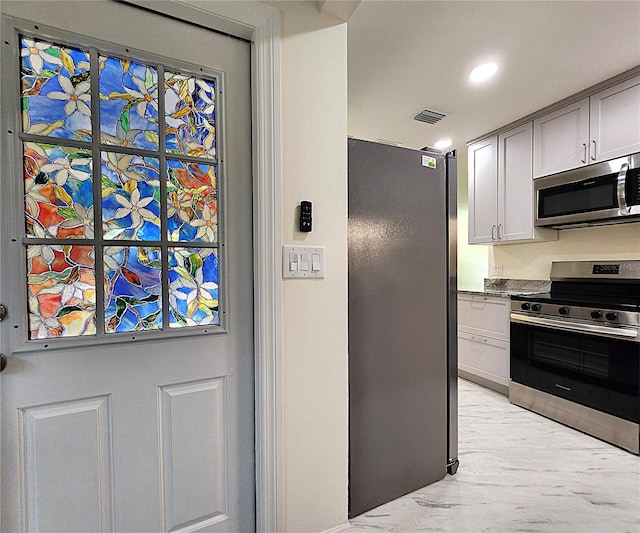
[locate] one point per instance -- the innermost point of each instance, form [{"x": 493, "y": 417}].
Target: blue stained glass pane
[
  {"x": 130, "y": 197},
  {"x": 190, "y": 113},
  {"x": 128, "y": 103},
  {"x": 132, "y": 288},
  {"x": 55, "y": 85},
  {"x": 193, "y": 287}
]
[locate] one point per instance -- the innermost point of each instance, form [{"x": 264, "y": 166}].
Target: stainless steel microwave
[{"x": 604, "y": 193}]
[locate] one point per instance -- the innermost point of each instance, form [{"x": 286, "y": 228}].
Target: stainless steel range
[{"x": 575, "y": 352}]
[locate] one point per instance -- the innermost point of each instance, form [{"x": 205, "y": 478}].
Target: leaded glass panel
[
  {"x": 193, "y": 287},
  {"x": 55, "y": 85},
  {"x": 192, "y": 209},
  {"x": 128, "y": 103},
  {"x": 190, "y": 109},
  {"x": 130, "y": 197},
  {"x": 58, "y": 191},
  {"x": 61, "y": 291},
  {"x": 132, "y": 288}
]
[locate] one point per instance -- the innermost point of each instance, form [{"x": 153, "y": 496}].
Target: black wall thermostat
[{"x": 305, "y": 216}]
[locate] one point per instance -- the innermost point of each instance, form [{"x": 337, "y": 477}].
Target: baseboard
[
  {"x": 344, "y": 528},
  {"x": 498, "y": 387}
]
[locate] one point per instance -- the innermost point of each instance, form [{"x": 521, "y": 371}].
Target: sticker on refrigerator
[{"x": 428, "y": 161}]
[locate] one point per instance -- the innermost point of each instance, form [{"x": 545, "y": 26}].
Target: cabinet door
[
  {"x": 561, "y": 139},
  {"x": 515, "y": 184},
  {"x": 615, "y": 121},
  {"x": 483, "y": 191}
]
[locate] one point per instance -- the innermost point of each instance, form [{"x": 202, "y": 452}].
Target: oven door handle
[{"x": 593, "y": 329}]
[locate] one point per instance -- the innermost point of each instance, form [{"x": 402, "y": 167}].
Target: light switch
[
  {"x": 293, "y": 262},
  {"x": 302, "y": 262}
]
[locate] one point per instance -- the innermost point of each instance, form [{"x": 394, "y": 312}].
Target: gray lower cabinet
[{"x": 483, "y": 340}]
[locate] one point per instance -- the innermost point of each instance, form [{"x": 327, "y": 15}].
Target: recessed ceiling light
[
  {"x": 442, "y": 144},
  {"x": 483, "y": 72}
]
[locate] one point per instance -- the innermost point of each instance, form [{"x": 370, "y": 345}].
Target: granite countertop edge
[{"x": 506, "y": 288}]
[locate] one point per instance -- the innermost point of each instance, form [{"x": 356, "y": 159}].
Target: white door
[{"x": 135, "y": 414}]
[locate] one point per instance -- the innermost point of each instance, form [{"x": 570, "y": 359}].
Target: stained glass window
[
  {"x": 190, "y": 109},
  {"x": 128, "y": 103},
  {"x": 58, "y": 191},
  {"x": 61, "y": 290},
  {"x": 132, "y": 288},
  {"x": 193, "y": 292},
  {"x": 130, "y": 197},
  {"x": 55, "y": 84},
  {"x": 192, "y": 209},
  {"x": 97, "y": 160}
]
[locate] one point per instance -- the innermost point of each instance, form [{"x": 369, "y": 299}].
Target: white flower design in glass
[{"x": 76, "y": 96}]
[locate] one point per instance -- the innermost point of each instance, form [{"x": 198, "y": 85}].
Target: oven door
[{"x": 601, "y": 372}]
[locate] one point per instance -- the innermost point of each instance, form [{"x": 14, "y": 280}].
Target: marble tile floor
[{"x": 519, "y": 472}]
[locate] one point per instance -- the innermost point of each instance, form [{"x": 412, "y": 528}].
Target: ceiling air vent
[{"x": 429, "y": 116}]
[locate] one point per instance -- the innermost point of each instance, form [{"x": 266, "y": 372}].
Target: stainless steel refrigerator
[{"x": 402, "y": 321}]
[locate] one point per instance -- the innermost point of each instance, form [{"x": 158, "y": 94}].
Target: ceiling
[{"x": 407, "y": 56}]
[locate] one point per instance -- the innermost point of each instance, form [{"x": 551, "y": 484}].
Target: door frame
[{"x": 258, "y": 23}]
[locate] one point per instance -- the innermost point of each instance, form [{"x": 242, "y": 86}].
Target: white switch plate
[
  {"x": 497, "y": 270},
  {"x": 302, "y": 262}
]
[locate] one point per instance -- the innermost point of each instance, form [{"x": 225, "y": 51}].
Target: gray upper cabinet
[
  {"x": 483, "y": 191},
  {"x": 602, "y": 126},
  {"x": 615, "y": 121},
  {"x": 501, "y": 190},
  {"x": 561, "y": 139}
]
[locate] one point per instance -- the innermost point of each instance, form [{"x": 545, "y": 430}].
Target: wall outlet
[{"x": 497, "y": 270}]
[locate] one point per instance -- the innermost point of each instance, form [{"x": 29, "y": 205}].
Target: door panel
[
  {"x": 194, "y": 455},
  {"x": 145, "y": 435},
  {"x": 54, "y": 456}
]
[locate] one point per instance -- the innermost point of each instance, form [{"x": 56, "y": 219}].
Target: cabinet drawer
[
  {"x": 484, "y": 315},
  {"x": 484, "y": 357}
]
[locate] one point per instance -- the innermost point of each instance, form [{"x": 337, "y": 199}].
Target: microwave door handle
[{"x": 621, "y": 190}]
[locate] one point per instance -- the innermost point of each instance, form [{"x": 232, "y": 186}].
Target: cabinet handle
[
  {"x": 493, "y": 232},
  {"x": 584, "y": 153},
  {"x": 593, "y": 155},
  {"x": 499, "y": 227}
]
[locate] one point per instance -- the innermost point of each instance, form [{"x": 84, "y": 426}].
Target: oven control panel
[{"x": 590, "y": 314}]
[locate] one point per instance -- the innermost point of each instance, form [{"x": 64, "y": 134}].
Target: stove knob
[
  {"x": 536, "y": 307},
  {"x": 563, "y": 310},
  {"x": 612, "y": 316},
  {"x": 525, "y": 307},
  {"x": 596, "y": 314}
]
